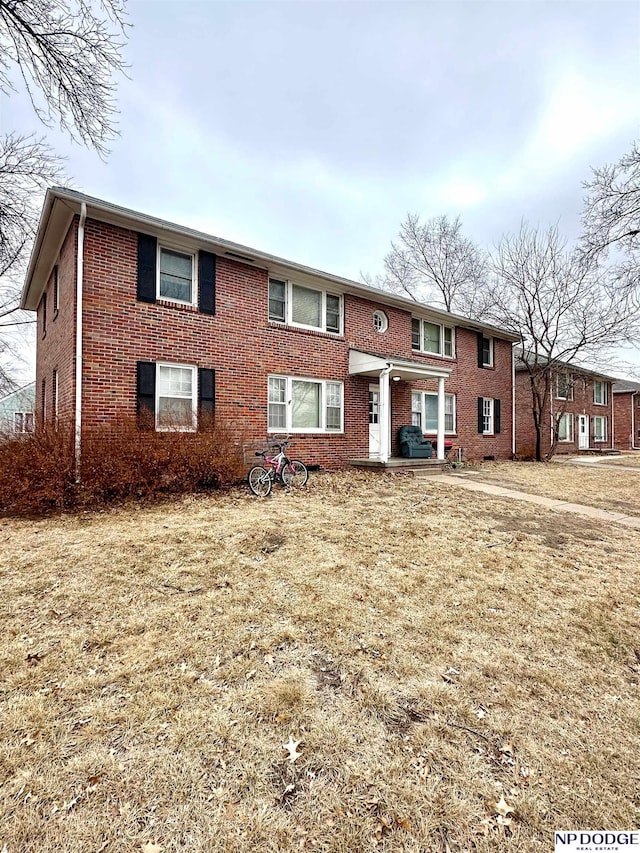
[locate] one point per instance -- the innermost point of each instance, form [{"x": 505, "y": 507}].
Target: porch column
[
  {"x": 384, "y": 410},
  {"x": 441, "y": 418}
]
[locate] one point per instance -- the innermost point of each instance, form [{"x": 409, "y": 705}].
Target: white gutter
[{"x": 79, "y": 282}]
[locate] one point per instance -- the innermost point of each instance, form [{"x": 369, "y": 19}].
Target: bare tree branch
[{"x": 68, "y": 53}]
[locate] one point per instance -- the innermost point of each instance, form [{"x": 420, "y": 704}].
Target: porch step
[{"x": 398, "y": 465}]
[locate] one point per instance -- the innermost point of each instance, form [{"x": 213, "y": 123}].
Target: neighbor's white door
[
  {"x": 583, "y": 432},
  {"x": 374, "y": 421}
]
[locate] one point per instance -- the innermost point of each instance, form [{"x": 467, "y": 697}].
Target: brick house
[
  {"x": 580, "y": 409},
  {"x": 135, "y": 314},
  {"x": 626, "y": 409}
]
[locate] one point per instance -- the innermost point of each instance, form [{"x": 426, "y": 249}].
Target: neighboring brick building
[
  {"x": 626, "y": 409},
  {"x": 579, "y": 409},
  {"x": 175, "y": 323}
]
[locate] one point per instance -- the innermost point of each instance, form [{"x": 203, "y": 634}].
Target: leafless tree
[
  {"x": 564, "y": 309},
  {"x": 68, "y": 54},
  {"x": 611, "y": 214},
  {"x": 434, "y": 262}
]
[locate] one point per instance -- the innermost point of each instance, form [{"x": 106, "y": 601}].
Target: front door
[
  {"x": 583, "y": 432},
  {"x": 374, "y": 421}
]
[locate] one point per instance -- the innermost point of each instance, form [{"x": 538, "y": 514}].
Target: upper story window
[
  {"x": 380, "y": 321},
  {"x": 600, "y": 393},
  {"x": 564, "y": 386},
  {"x": 485, "y": 351},
  {"x": 432, "y": 337},
  {"x": 176, "y": 276},
  {"x": 43, "y": 302},
  {"x": 304, "y": 306}
]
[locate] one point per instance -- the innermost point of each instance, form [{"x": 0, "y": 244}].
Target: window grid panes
[
  {"x": 600, "y": 393},
  {"x": 277, "y": 300},
  {"x": 487, "y": 416},
  {"x": 176, "y": 408},
  {"x": 564, "y": 387},
  {"x": 487, "y": 352},
  {"x": 332, "y": 320},
  {"x": 424, "y": 411},
  {"x": 176, "y": 276},
  {"x": 565, "y": 428},
  {"x": 599, "y": 428},
  {"x": 307, "y": 405},
  {"x": 334, "y": 405}
]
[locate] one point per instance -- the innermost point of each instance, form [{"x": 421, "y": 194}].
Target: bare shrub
[{"x": 38, "y": 473}]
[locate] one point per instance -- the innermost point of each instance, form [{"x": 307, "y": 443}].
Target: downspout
[
  {"x": 633, "y": 423},
  {"x": 513, "y": 401},
  {"x": 79, "y": 282},
  {"x": 385, "y": 412},
  {"x": 613, "y": 416}
]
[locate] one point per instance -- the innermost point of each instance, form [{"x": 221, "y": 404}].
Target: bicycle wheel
[
  {"x": 259, "y": 481},
  {"x": 295, "y": 474}
]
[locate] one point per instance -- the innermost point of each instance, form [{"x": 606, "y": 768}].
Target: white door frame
[
  {"x": 374, "y": 429},
  {"x": 583, "y": 434}
]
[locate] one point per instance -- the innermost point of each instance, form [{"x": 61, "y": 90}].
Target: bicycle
[{"x": 292, "y": 473}]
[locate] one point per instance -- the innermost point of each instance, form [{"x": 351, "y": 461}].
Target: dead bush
[{"x": 118, "y": 461}]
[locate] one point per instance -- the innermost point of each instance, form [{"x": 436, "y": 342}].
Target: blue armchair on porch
[{"x": 412, "y": 443}]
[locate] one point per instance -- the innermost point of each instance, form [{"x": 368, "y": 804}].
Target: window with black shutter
[
  {"x": 147, "y": 259},
  {"x": 207, "y": 282},
  {"x": 146, "y": 394},
  {"x": 206, "y": 396}
]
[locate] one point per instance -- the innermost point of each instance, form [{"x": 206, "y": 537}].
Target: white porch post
[
  {"x": 383, "y": 413},
  {"x": 441, "y": 418}
]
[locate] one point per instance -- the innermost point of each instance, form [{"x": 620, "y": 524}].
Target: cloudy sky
[{"x": 310, "y": 129}]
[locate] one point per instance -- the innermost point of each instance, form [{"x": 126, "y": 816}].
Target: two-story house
[
  {"x": 626, "y": 407},
  {"x": 578, "y": 413},
  {"x": 139, "y": 315}
]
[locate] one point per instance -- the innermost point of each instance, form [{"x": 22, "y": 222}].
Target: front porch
[{"x": 400, "y": 465}]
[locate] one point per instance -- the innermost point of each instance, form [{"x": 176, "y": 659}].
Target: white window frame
[
  {"x": 288, "y": 307},
  {"x": 605, "y": 396},
  {"x": 569, "y": 386},
  {"x": 419, "y": 407},
  {"x": 488, "y": 416},
  {"x": 288, "y": 403},
  {"x": 491, "y": 352},
  {"x": 441, "y": 338},
  {"x": 569, "y": 428},
  {"x": 177, "y": 250},
  {"x": 55, "y": 391},
  {"x": 602, "y": 437},
  {"x": 194, "y": 398}
]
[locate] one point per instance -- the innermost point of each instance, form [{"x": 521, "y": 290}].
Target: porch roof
[{"x": 372, "y": 364}]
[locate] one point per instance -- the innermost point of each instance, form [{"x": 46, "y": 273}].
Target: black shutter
[
  {"x": 480, "y": 350},
  {"x": 207, "y": 282},
  {"x": 496, "y": 416},
  {"x": 146, "y": 394},
  {"x": 147, "y": 254},
  {"x": 206, "y": 396},
  {"x": 480, "y": 415}
]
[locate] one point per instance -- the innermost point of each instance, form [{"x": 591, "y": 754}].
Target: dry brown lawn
[
  {"x": 618, "y": 491},
  {"x": 450, "y": 672},
  {"x": 631, "y": 460}
]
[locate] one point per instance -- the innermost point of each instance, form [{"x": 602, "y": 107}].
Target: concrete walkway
[
  {"x": 554, "y": 504},
  {"x": 600, "y": 461}
]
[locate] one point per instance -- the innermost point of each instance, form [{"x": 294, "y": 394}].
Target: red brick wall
[
  {"x": 244, "y": 347},
  {"x": 55, "y": 349},
  {"x": 625, "y": 424},
  {"x": 582, "y": 404}
]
